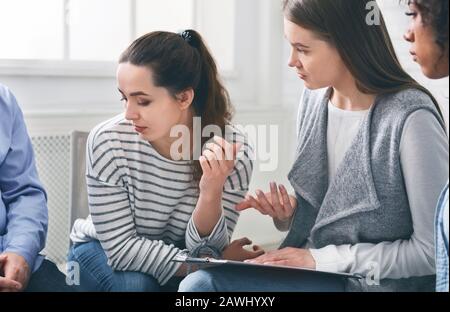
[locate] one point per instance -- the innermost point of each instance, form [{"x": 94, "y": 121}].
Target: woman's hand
[
  {"x": 277, "y": 204},
  {"x": 293, "y": 257},
  {"x": 217, "y": 162},
  {"x": 236, "y": 251}
]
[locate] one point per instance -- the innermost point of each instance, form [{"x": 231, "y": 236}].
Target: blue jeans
[
  {"x": 232, "y": 279},
  {"x": 97, "y": 276},
  {"x": 441, "y": 226}
]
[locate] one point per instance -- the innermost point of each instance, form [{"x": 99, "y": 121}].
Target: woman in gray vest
[
  {"x": 428, "y": 34},
  {"x": 372, "y": 154}
]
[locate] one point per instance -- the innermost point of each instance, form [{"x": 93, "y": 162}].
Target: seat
[{"x": 79, "y": 207}]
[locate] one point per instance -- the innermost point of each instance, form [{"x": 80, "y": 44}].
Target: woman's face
[
  {"x": 152, "y": 110},
  {"x": 316, "y": 62},
  {"x": 424, "y": 49}
]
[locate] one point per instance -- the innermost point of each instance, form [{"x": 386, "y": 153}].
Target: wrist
[
  {"x": 311, "y": 260},
  {"x": 211, "y": 194},
  {"x": 283, "y": 223},
  {"x": 26, "y": 258}
]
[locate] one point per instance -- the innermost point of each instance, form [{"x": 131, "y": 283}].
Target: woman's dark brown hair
[
  {"x": 435, "y": 14},
  {"x": 366, "y": 50},
  {"x": 180, "y": 62}
]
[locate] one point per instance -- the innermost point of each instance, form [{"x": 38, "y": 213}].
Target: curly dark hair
[{"x": 435, "y": 14}]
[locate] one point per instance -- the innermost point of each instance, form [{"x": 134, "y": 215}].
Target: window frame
[{"x": 88, "y": 69}]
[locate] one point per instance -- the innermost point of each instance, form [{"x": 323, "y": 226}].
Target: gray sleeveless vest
[{"x": 367, "y": 201}]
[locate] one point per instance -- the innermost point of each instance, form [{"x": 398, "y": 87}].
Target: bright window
[
  {"x": 99, "y": 30},
  {"x": 31, "y": 29}
]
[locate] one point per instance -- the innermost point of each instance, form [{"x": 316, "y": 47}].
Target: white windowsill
[
  {"x": 53, "y": 68},
  {"x": 244, "y": 108},
  {"x": 79, "y": 69}
]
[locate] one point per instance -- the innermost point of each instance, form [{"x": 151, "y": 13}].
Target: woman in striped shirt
[{"x": 150, "y": 197}]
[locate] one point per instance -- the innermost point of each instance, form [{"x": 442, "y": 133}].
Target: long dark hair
[
  {"x": 366, "y": 50},
  {"x": 180, "y": 62}
]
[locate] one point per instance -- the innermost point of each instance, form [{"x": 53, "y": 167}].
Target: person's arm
[
  {"x": 445, "y": 217},
  {"x": 233, "y": 191},
  {"x": 424, "y": 159},
  {"x": 22, "y": 192},
  {"x": 113, "y": 220},
  {"x": 283, "y": 226}
]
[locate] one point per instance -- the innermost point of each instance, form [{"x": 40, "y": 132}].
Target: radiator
[
  {"x": 53, "y": 164},
  {"x": 60, "y": 161}
]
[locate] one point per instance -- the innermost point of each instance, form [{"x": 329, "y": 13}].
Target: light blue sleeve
[
  {"x": 446, "y": 222},
  {"x": 21, "y": 191}
]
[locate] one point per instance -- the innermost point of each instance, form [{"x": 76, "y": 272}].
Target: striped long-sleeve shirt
[{"x": 141, "y": 204}]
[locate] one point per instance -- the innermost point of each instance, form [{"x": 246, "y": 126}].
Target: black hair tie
[
  {"x": 186, "y": 35},
  {"x": 189, "y": 38}
]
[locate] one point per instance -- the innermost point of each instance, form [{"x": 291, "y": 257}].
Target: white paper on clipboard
[{"x": 211, "y": 262}]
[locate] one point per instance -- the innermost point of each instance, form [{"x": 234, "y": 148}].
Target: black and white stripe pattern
[{"x": 141, "y": 203}]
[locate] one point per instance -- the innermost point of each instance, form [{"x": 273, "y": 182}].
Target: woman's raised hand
[
  {"x": 277, "y": 203},
  {"x": 218, "y": 161}
]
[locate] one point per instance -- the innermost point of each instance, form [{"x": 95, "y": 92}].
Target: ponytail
[{"x": 212, "y": 101}]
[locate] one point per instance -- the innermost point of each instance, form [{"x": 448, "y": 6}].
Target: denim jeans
[
  {"x": 442, "y": 263},
  {"x": 48, "y": 279},
  {"x": 97, "y": 276},
  {"x": 232, "y": 279}
]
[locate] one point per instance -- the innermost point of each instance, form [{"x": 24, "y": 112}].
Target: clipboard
[{"x": 211, "y": 262}]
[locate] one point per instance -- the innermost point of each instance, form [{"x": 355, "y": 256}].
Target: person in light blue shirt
[
  {"x": 442, "y": 243},
  {"x": 23, "y": 209},
  {"x": 428, "y": 35}
]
